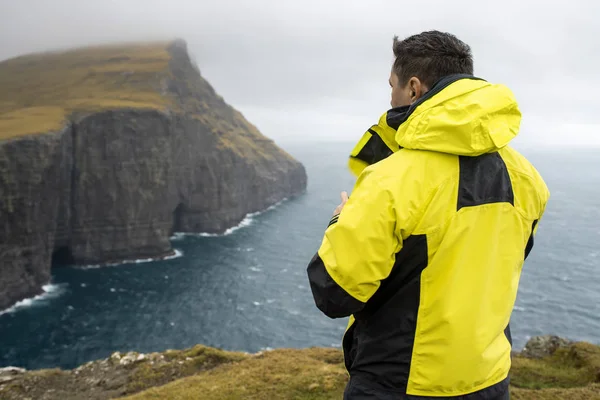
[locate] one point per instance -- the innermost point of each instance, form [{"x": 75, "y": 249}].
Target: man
[{"x": 426, "y": 254}]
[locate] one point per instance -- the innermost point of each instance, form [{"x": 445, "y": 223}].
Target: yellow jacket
[{"x": 427, "y": 254}]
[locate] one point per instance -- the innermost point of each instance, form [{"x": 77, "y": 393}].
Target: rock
[
  {"x": 9, "y": 374},
  {"x": 115, "y": 357},
  {"x": 10, "y": 371},
  {"x": 115, "y": 382},
  {"x": 6, "y": 379},
  {"x": 92, "y": 381},
  {"x": 129, "y": 358},
  {"x": 543, "y": 346},
  {"x": 118, "y": 177}
]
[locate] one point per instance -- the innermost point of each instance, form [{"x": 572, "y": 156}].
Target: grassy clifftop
[
  {"x": 572, "y": 372},
  {"x": 39, "y": 90}
]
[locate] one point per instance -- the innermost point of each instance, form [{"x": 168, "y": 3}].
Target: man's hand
[{"x": 338, "y": 209}]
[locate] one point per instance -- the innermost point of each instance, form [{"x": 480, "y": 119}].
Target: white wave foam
[
  {"x": 274, "y": 206},
  {"x": 176, "y": 254},
  {"x": 247, "y": 221},
  {"x": 177, "y": 236},
  {"x": 517, "y": 308},
  {"x": 50, "y": 292}
]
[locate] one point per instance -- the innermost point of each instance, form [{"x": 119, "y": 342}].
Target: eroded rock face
[
  {"x": 33, "y": 175},
  {"x": 114, "y": 184},
  {"x": 120, "y": 186}
]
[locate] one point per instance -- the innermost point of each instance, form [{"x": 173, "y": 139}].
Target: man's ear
[{"x": 416, "y": 89}]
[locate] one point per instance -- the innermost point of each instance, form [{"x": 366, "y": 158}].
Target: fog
[{"x": 318, "y": 70}]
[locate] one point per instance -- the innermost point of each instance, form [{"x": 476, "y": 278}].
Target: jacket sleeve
[{"x": 357, "y": 252}]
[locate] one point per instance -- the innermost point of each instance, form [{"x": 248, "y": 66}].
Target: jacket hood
[{"x": 461, "y": 115}]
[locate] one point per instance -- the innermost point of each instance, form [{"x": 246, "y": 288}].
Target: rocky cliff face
[
  {"x": 33, "y": 172},
  {"x": 105, "y": 152}
]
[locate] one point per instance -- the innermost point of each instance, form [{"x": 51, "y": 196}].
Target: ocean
[{"x": 247, "y": 290}]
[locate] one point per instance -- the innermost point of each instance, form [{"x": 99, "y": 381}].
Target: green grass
[
  {"x": 318, "y": 374},
  {"x": 32, "y": 120},
  {"x": 310, "y": 374},
  {"x": 54, "y": 85},
  {"x": 181, "y": 363},
  {"x": 41, "y": 91},
  {"x": 574, "y": 366},
  {"x": 281, "y": 374}
]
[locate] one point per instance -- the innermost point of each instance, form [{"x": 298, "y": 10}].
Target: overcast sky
[{"x": 319, "y": 68}]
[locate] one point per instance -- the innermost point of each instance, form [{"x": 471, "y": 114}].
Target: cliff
[
  {"x": 105, "y": 151},
  {"x": 569, "y": 372}
]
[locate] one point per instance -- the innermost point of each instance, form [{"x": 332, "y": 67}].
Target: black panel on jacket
[
  {"x": 508, "y": 334},
  {"x": 329, "y": 297},
  {"x": 374, "y": 150},
  {"x": 530, "y": 242},
  {"x": 388, "y": 321},
  {"x": 483, "y": 180}
]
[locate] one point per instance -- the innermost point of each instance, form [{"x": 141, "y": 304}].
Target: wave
[
  {"x": 176, "y": 254},
  {"x": 50, "y": 292},
  {"x": 247, "y": 221}
]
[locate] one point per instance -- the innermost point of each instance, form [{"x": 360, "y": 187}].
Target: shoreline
[
  {"x": 49, "y": 291},
  {"x": 171, "y": 255},
  {"x": 245, "y": 222}
]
